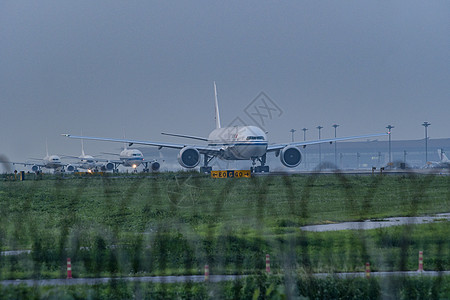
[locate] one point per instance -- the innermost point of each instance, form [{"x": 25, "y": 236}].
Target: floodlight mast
[
  {"x": 426, "y": 124},
  {"x": 304, "y": 139},
  {"x": 389, "y": 127},
  {"x": 335, "y": 145},
  {"x": 304, "y": 133},
  {"x": 320, "y": 149},
  {"x": 292, "y": 133}
]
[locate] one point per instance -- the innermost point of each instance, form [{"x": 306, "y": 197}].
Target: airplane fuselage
[
  {"x": 52, "y": 162},
  {"x": 131, "y": 158},
  {"x": 239, "y": 142},
  {"x": 87, "y": 162}
]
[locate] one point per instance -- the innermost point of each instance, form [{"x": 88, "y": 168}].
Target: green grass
[
  {"x": 254, "y": 287},
  {"x": 176, "y": 223}
]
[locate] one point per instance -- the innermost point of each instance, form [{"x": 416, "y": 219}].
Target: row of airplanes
[
  {"x": 127, "y": 158},
  {"x": 225, "y": 143}
]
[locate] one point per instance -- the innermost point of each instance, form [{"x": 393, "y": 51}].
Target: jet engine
[
  {"x": 35, "y": 168},
  {"x": 189, "y": 157},
  {"x": 155, "y": 166},
  {"x": 290, "y": 156},
  {"x": 108, "y": 167},
  {"x": 70, "y": 168}
]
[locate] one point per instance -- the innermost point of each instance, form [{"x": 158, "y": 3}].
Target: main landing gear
[
  {"x": 206, "y": 160},
  {"x": 262, "y": 168}
]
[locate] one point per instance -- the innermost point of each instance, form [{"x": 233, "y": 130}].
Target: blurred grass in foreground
[{"x": 175, "y": 224}]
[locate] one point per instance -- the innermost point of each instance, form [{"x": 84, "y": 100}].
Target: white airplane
[
  {"x": 88, "y": 162},
  {"x": 442, "y": 156},
  {"x": 48, "y": 162},
  {"x": 231, "y": 143},
  {"x": 133, "y": 158},
  {"x": 443, "y": 163}
]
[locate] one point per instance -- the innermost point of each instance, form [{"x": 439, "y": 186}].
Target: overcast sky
[{"x": 143, "y": 67}]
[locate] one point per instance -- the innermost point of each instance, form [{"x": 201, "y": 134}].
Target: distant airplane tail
[
  {"x": 124, "y": 144},
  {"x": 217, "y": 107},
  {"x": 82, "y": 145},
  {"x": 82, "y": 148},
  {"x": 442, "y": 156}
]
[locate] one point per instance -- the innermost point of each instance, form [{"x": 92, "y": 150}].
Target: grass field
[{"x": 176, "y": 223}]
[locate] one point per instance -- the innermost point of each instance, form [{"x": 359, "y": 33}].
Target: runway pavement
[
  {"x": 201, "y": 278},
  {"x": 93, "y": 281}
]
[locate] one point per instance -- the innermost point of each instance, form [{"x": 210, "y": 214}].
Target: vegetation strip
[{"x": 170, "y": 225}]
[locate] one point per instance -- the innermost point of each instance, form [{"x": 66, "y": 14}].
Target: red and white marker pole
[
  {"x": 267, "y": 263},
  {"x": 206, "y": 272},
  {"x": 69, "y": 269},
  {"x": 367, "y": 270},
  {"x": 420, "y": 261}
]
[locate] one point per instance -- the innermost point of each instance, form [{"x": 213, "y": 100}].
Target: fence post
[
  {"x": 69, "y": 269},
  {"x": 367, "y": 270},
  {"x": 206, "y": 272},
  {"x": 420, "y": 261},
  {"x": 267, "y": 263}
]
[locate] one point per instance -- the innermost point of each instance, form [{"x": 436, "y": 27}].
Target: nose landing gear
[{"x": 262, "y": 168}]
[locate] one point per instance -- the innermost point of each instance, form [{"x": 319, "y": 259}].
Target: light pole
[
  {"x": 304, "y": 139},
  {"x": 426, "y": 124},
  {"x": 320, "y": 149},
  {"x": 389, "y": 127},
  {"x": 292, "y": 132},
  {"x": 379, "y": 160},
  {"x": 335, "y": 145},
  {"x": 304, "y": 133},
  {"x": 358, "y": 155}
]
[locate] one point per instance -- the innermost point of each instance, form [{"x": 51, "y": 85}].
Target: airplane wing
[
  {"x": 202, "y": 149},
  {"x": 109, "y": 153},
  {"x": 101, "y": 160},
  {"x": 79, "y": 160},
  {"x": 116, "y": 161},
  {"x": 25, "y": 164},
  {"x": 186, "y": 136},
  {"x": 68, "y": 156},
  {"x": 277, "y": 147},
  {"x": 21, "y": 163},
  {"x": 149, "y": 160}
]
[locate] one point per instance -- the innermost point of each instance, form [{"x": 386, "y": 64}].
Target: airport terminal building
[{"x": 368, "y": 154}]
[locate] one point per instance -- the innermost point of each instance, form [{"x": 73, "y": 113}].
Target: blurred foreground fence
[{"x": 141, "y": 226}]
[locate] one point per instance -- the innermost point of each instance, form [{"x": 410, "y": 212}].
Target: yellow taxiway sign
[{"x": 231, "y": 174}]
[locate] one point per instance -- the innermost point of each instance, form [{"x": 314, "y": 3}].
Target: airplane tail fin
[
  {"x": 442, "y": 156},
  {"x": 124, "y": 144},
  {"x": 82, "y": 145},
  {"x": 217, "y": 107},
  {"x": 82, "y": 148},
  {"x": 46, "y": 146}
]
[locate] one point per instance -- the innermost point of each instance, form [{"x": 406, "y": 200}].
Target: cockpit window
[{"x": 253, "y": 138}]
